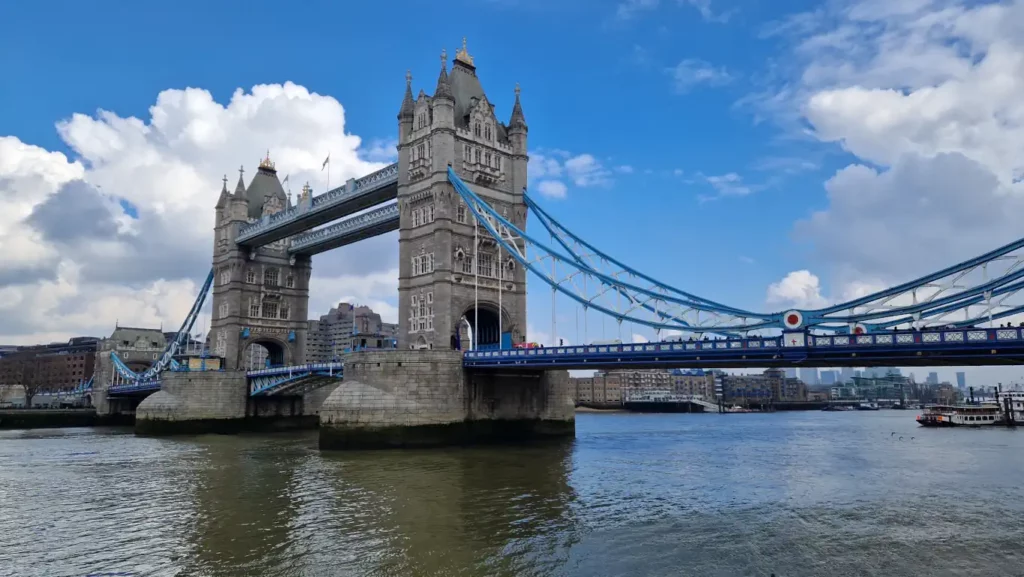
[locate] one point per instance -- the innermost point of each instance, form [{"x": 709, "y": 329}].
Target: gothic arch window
[
  {"x": 498, "y": 159},
  {"x": 466, "y": 153},
  {"x": 250, "y": 276},
  {"x": 289, "y": 281},
  {"x": 430, "y": 213},
  {"x": 460, "y": 212},
  {"x": 416, "y": 217},
  {"x": 476, "y": 155},
  {"x": 487, "y": 159},
  {"x": 421, "y": 151},
  {"x": 284, "y": 311},
  {"x": 254, "y": 308},
  {"x": 270, "y": 310},
  {"x": 270, "y": 277},
  {"x": 476, "y": 129}
]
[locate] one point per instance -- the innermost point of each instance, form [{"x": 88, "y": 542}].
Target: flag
[
  {"x": 326, "y": 162},
  {"x": 285, "y": 178}
]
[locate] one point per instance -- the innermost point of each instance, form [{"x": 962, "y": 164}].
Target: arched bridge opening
[{"x": 263, "y": 353}]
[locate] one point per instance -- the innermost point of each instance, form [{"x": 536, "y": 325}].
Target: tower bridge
[{"x": 458, "y": 198}]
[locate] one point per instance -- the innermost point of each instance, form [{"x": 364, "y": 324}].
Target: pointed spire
[
  {"x": 444, "y": 89},
  {"x": 222, "y": 200},
  {"x": 240, "y": 187},
  {"x": 517, "y": 120},
  {"x": 407, "y": 104}
]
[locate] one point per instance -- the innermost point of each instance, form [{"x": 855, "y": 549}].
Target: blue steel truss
[
  {"x": 347, "y": 231},
  {"x": 293, "y": 380},
  {"x": 124, "y": 376},
  {"x": 128, "y": 388},
  {"x": 977, "y": 291},
  {"x": 356, "y": 195}
]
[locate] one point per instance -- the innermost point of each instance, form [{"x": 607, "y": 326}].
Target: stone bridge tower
[
  {"x": 260, "y": 296},
  {"x": 439, "y": 259}
]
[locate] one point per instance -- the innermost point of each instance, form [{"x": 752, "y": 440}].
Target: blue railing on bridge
[
  {"x": 937, "y": 338},
  {"x": 383, "y": 177},
  {"x": 273, "y": 380},
  {"x": 289, "y": 369},
  {"x": 134, "y": 387}
]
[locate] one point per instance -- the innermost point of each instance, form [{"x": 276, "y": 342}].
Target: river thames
[{"x": 795, "y": 494}]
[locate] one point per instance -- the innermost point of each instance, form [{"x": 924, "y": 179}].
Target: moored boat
[{"x": 961, "y": 416}]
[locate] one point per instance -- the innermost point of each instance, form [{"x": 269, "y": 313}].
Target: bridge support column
[
  {"x": 194, "y": 402},
  {"x": 101, "y": 382},
  {"x": 392, "y": 399}
]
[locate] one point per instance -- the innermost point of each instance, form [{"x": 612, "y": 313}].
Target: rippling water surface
[{"x": 791, "y": 493}]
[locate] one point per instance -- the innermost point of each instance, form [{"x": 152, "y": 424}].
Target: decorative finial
[
  {"x": 517, "y": 89},
  {"x": 225, "y": 180},
  {"x": 444, "y": 58},
  {"x": 408, "y": 77},
  {"x": 241, "y": 171},
  {"x": 266, "y": 163},
  {"x": 462, "y": 55}
]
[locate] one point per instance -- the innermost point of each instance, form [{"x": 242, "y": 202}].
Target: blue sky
[
  {"x": 736, "y": 117},
  {"x": 592, "y": 83}
]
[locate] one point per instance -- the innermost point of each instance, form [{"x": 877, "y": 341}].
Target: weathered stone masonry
[{"x": 425, "y": 398}]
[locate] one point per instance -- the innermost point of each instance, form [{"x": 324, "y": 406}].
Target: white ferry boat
[
  {"x": 1016, "y": 405},
  {"x": 983, "y": 415}
]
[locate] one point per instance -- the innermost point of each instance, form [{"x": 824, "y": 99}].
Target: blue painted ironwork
[
  {"x": 987, "y": 346},
  {"x": 166, "y": 360},
  {"x": 654, "y": 306},
  {"x": 385, "y": 218},
  {"x": 387, "y": 176},
  {"x": 292, "y": 380},
  {"x": 980, "y": 290},
  {"x": 134, "y": 387}
]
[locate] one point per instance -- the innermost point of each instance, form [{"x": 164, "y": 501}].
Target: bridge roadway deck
[
  {"x": 356, "y": 195},
  {"x": 956, "y": 347},
  {"x": 351, "y": 230}
]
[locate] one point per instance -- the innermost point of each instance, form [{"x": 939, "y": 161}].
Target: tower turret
[
  {"x": 406, "y": 113},
  {"x": 225, "y": 196},
  {"x": 443, "y": 103},
  {"x": 517, "y": 128}
]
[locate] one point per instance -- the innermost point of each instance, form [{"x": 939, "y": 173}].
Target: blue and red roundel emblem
[{"x": 793, "y": 319}]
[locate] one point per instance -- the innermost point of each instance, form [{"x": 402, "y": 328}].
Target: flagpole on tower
[{"x": 327, "y": 165}]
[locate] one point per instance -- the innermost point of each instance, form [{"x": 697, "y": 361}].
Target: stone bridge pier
[
  {"x": 393, "y": 399},
  {"x": 219, "y": 402}
]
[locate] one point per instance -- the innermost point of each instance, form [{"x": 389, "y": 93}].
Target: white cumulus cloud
[
  {"x": 799, "y": 289},
  {"x": 76, "y": 261},
  {"x": 551, "y": 171},
  {"x": 929, "y": 98}
]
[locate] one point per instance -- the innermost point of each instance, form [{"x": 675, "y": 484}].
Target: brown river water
[{"x": 794, "y": 494}]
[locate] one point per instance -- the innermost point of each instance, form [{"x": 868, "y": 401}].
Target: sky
[{"x": 765, "y": 155}]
